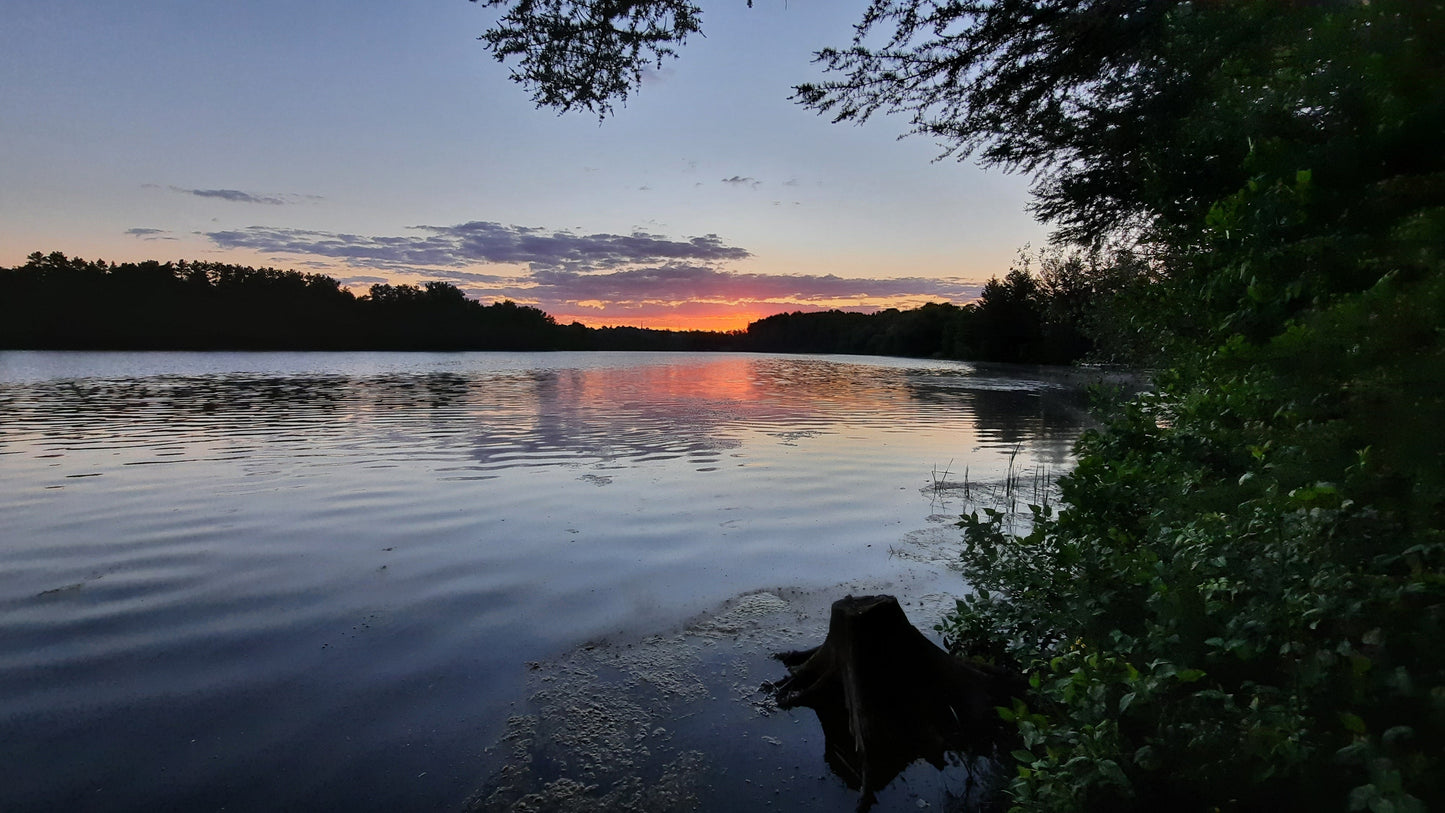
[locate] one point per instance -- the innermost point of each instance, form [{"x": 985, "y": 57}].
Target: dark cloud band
[{"x": 485, "y": 242}]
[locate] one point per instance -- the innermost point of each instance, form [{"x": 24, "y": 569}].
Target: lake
[{"x": 266, "y": 581}]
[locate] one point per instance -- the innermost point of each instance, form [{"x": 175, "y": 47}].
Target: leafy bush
[{"x": 1242, "y": 606}]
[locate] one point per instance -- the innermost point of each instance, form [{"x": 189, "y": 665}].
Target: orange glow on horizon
[
  {"x": 719, "y": 322},
  {"x": 714, "y": 316}
]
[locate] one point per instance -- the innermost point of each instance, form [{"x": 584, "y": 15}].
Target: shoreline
[{"x": 676, "y": 719}]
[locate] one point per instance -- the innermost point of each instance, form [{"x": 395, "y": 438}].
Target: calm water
[{"x": 305, "y": 580}]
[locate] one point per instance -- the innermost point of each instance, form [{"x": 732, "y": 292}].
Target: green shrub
[{"x": 1243, "y": 605}]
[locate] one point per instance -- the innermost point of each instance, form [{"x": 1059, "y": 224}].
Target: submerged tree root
[{"x": 886, "y": 696}]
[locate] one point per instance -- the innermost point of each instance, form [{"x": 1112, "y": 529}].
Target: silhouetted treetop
[
  {"x": 587, "y": 54},
  {"x": 1132, "y": 116}
]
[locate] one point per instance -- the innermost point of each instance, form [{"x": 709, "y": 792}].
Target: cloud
[
  {"x": 150, "y": 234},
  {"x": 238, "y": 196},
  {"x": 739, "y": 180},
  {"x": 711, "y": 299},
  {"x": 465, "y": 277},
  {"x": 362, "y": 281},
  {"x": 232, "y": 195},
  {"x": 354, "y": 248},
  {"x": 654, "y": 73},
  {"x": 600, "y": 278},
  {"x": 484, "y": 242},
  {"x": 678, "y": 283}
]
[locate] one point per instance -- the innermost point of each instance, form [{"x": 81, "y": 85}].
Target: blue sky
[{"x": 381, "y": 142}]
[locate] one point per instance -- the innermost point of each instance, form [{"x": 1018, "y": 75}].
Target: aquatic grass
[{"x": 1012, "y": 497}]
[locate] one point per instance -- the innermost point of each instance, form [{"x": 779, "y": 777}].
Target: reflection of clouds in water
[{"x": 696, "y": 407}]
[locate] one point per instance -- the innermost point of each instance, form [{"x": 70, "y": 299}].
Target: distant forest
[{"x": 56, "y": 302}]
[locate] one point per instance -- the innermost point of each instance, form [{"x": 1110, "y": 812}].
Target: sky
[{"x": 380, "y": 142}]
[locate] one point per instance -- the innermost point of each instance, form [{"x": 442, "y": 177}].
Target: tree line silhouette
[
  {"x": 58, "y": 302},
  {"x": 1072, "y": 309}
]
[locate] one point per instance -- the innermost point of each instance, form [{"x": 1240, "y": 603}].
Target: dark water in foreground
[{"x": 303, "y": 580}]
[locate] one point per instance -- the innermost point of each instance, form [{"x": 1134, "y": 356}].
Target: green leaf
[
  {"x": 1352, "y": 722},
  {"x": 1110, "y": 770}
]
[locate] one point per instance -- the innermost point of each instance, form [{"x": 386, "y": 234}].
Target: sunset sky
[{"x": 379, "y": 141}]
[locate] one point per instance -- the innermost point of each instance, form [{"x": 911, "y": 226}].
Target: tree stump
[{"x": 887, "y": 696}]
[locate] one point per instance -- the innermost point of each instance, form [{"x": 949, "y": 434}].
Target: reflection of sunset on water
[
  {"x": 291, "y": 519},
  {"x": 610, "y": 407}
]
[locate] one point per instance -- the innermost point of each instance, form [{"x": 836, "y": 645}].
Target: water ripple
[{"x": 267, "y": 581}]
